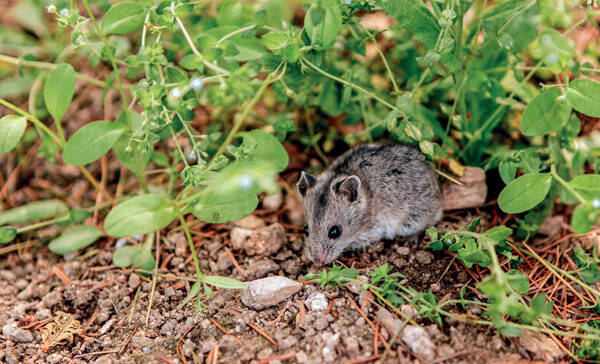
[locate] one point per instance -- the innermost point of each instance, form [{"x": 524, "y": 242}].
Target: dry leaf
[{"x": 60, "y": 331}]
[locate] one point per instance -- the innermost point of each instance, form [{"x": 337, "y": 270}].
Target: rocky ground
[{"x": 309, "y": 325}]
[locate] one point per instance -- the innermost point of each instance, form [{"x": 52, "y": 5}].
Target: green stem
[
  {"x": 239, "y": 121},
  {"x": 383, "y": 58},
  {"x": 191, "y": 243},
  {"x": 49, "y": 66},
  {"x": 234, "y": 33},
  {"x": 34, "y": 120},
  {"x": 349, "y": 84},
  {"x": 565, "y": 184},
  {"x": 141, "y": 174}
]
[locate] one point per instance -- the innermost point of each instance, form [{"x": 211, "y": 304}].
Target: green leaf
[
  {"x": 78, "y": 216},
  {"x": 274, "y": 41},
  {"x": 140, "y": 215},
  {"x": 412, "y": 15},
  {"x": 555, "y": 50},
  {"x": 499, "y": 233},
  {"x": 471, "y": 254},
  {"x": 12, "y": 128},
  {"x": 123, "y": 17},
  {"x": 260, "y": 17},
  {"x": 265, "y": 147},
  {"x": 33, "y": 211},
  {"x": 547, "y": 112},
  {"x": 91, "y": 142},
  {"x": 588, "y": 185},
  {"x": 217, "y": 208},
  {"x": 142, "y": 257},
  {"x": 249, "y": 49},
  {"x": 224, "y": 282},
  {"x": 323, "y": 32},
  {"x": 59, "y": 90},
  {"x": 234, "y": 13},
  {"x": 584, "y": 95},
  {"x": 75, "y": 239},
  {"x": 518, "y": 281},
  {"x": 525, "y": 192},
  {"x": 7, "y": 234},
  {"x": 122, "y": 256},
  {"x": 194, "y": 291},
  {"x": 584, "y": 216}
]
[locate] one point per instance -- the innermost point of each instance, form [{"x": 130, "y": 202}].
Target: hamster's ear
[
  {"x": 349, "y": 188},
  {"x": 305, "y": 182}
]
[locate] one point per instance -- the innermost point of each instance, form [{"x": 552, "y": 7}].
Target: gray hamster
[{"x": 372, "y": 192}]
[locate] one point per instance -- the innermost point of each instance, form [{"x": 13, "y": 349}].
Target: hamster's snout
[{"x": 320, "y": 255}]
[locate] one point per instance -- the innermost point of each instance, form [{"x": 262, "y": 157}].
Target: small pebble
[
  {"x": 316, "y": 302},
  {"x": 14, "y": 333}
]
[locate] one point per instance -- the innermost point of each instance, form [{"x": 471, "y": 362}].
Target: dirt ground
[{"x": 119, "y": 328}]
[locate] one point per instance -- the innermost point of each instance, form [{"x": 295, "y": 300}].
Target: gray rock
[
  {"x": 250, "y": 222},
  {"x": 540, "y": 346},
  {"x": 423, "y": 257},
  {"x": 416, "y": 338},
  {"x": 272, "y": 202},
  {"x": 134, "y": 280},
  {"x": 471, "y": 194},
  {"x": 14, "y": 333},
  {"x": 317, "y": 301},
  {"x": 268, "y": 291},
  {"x": 239, "y": 236},
  {"x": 265, "y": 241}
]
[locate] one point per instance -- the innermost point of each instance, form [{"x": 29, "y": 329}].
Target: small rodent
[{"x": 372, "y": 192}]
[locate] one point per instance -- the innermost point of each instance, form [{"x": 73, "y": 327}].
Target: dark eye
[
  {"x": 334, "y": 232},
  {"x": 306, "y": 230}
]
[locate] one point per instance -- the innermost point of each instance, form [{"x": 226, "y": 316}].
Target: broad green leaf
[
  {"x": 123, "y": 17},
  {"x": 249, "y": 49},
  {"x": 584, "y": 96},
  {"x": 587, "y": 185},
  {"x": 7, "y": 234},
  {"x": 584, "y": 216},
  {"x": 265, "y": 147},
  {"x": 324, "y": 32},
  {"x": 12, "y": 128},
  {"x": 234, "y": 13},
  {"x": 547, "y": 112},
  {"x": 224, "y": 282},
  {"x": 122, "y": 256},
  {"x": 75, "y": 239},
  {"x": 555, "y": 49},
  {"x": 274, "y": 41},
  {"x": 518, "y": 281},
  {"x": 511, "y": 22},
  {"x": 499, "y": 233},
  {"x": 412, "y": 15},
  {"x": 140, "y": 215},
  {"x": 33, "y": 211},
  {"x": 59, "y": 90},
  {"x": 91, "y": 142},
  {"x": 525, "y": 192},
  {"x": 218, "y": 208},
  {"x": 142, "y": 257}
]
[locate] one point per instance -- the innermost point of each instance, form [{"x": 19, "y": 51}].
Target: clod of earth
[
  {"x": 269, "y": 291},
  {"x": 471, "y": 194}
]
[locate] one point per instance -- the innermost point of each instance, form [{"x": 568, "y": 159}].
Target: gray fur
[{"x": 398, "y": 195}]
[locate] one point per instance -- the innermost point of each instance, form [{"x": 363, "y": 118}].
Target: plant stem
[
  {"x": 59, "y": 142},
  {"x": 208, "y": 64},
  {"x": 356, "y": 87},
  {"x": 34, "y": 120},
  {"x": 49, "y": 66},
  {"x": 141, "y": 174},
  {"x": 385, "y": 62},
  {"x": 241, "y": 30},
  {"x": 191, "y": 243},
  {"x": 242, "y": 117},
  {"x": 565, "y": 184}
]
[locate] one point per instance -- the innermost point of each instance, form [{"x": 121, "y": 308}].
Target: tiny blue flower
[
  {"x": 197, "y": 83},
  {"x": 51, "y": 8},
  {"x": 245, "y": 182},
  {"x": 176, "y": 93},
  {"x": 348, "y": 2},
  {"x": 191, "y": 158},
  {"x": 64, "y": 12},
  {"x": 596, "y": 203},
  {"x": 552, "y": 58}
]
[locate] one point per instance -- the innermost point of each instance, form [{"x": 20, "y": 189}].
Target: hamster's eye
[
  {"x": 334, "y": 232},
  {"x": 306, "y": 230}
]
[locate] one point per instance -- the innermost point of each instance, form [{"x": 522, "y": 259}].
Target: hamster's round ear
[
  {"x": 349, "y": 188},
  {"x": 305, "y": 182}
]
